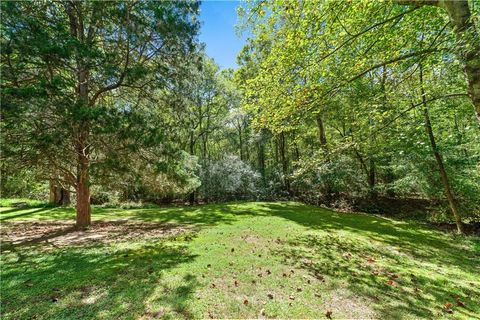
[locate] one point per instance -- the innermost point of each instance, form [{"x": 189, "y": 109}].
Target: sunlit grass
[{"x": 245, "y": 260}]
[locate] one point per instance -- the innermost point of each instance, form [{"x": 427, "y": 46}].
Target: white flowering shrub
[{"x": 228, "y": 179}]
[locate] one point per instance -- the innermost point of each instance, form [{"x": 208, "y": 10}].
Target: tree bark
[
  {"x": 83, "y": 188},
  {"x": 284, "y": 160},
  {"x": 191, "y": 196},
  {"x": 82, "y": 129},
  {"x": 58, "y": 195},
  {"x": 439, "y": 160}
]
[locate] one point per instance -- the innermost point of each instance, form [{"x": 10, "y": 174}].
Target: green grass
[
  {"x": 244, "y": 260},
  {"x": 10, "y": 202}
]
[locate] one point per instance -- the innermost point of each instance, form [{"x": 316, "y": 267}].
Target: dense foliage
[{"x": 344, "y": 104}]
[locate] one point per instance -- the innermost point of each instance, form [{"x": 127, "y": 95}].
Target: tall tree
[{"x": 64, "y": 61}]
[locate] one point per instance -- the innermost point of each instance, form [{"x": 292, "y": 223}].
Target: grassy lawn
[{"x": 236, "y": 260}]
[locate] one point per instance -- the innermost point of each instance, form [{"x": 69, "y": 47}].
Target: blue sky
[{"x": 218, "y": 31}]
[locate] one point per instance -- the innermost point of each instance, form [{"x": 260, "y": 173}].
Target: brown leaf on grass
[
  {"x": 393, "y": 275},
  {"x": 447, "y": 305},
  {"x": 299, "y": 289},
  {"x": 213, "y": 285},
  {"x": 370, "y": 260},
  {"x": 159, "y": 314},
  {"x": 292, "y": 297},
  {"x": 270, "y": 296},
  {"x": 460, "y": 303},
  {"x": 328, "y": 314},
  {"x": 391, "y": 283},
  {"x": 375, "y": 272},
  {"x": 236, "y": 283},
  {"x": 245, "y": 302}
]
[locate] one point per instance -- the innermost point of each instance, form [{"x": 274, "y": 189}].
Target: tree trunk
[
  {"x": 321, "y": 134},
  {"x": 58, "y": 195},
  {"x": 83, "y": 189},
  {"x": 240, "y": 140},
  {"x": 322, "y": 137},
  {"x": 371, "y": 179},
  {"x": 191, "y": 196},
  {"x": 439, "y": 160},
  {"x": 284, "y": 160}
]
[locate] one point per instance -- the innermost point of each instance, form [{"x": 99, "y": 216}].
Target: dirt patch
[{"x": 64, "y": 234}]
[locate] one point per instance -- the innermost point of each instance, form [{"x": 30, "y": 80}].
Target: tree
[{"x": 62, "y": 65}]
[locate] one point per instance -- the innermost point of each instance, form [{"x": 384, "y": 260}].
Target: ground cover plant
[{"x": 233, "y": 260}]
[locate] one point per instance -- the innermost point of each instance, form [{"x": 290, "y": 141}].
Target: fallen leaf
[
  {"x": 390, "y": 282},
  {"x": 270, "y": 296},
  {"x": 328, "y": 314},
  {"x": 460, "y": 303},
  {"x": 236, "y": 283},
  {"x": 370, "y": 259},
  {"x": 159, "y": 314},
  {"x": 291, "y": 297},
  {"x": 447, "y": 305},
  {"x": 245, "y": 302},
  {"x": 299, "y": 289}
]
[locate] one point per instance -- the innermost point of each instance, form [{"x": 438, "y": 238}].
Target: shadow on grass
[
  {"x": 430, "y": 266},
  {"x": 93, "y": 282},
  {"x": 22, "y": 212}
]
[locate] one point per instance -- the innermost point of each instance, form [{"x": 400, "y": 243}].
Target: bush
[{"x": 228, "y": 179}]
